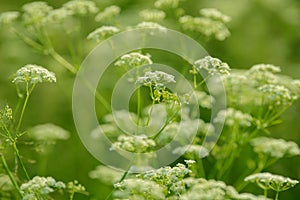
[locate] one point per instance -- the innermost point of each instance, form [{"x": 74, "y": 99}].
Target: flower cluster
[
  {"x": 212, "y": 23},
  {"x": 277, "y": 94},
  {"x": 152, "y": 15},
  {"x": 40, "y": 186},
  {"x": 165, "y": 4},
  {"x": 211, "y": 189},
  {"x": 8, "y": 17},
  {"x": 33, "y": 74},
  {"x": 58, "y": 15},
  {"x": 272, "y": 147},
  {"x": 108, "y": 13},
  {"x": 233, "y": 117},
  {"x": 215, "y": 14},
  {"x": 105, "y": 174},
  {"x": 103, "y": 33},
  {"x": 263, "y": 74},
  {"x": 170, "y": 178},
  {"x": 134, "y": 143},
  {"x": 35, "y": 13},
  {"x": 212, "y": 66},
  {"x": 138, "y": 189},
  {"x": 133, "y": 59},
  {"x": 156, "y": 79},
  {"x": 150, "y": 25},
  {"x": 81, "y": 7},
  {"x": 48, "y": 132},
  {"x": 192, "y": 151},
  {"x": 271, "y": 181}
]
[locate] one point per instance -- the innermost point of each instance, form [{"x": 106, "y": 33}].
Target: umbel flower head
[
  {"x": 277, "y": 94},
  {"x": 233, "y": 117},
  {"x": 134, "y": 143},
  {"x": 108, "y": 13},
  {"x": 272, "y": 147},
  {"x": 152, "y": 14},
  {"x": 8, "y": 17},
  {"x": 40, "y": 185},
  {"x": 58, "y": 15},
  {"x": 165, "y": 4},
  {"x": 211, "y": 23},
  {"x": 103, "y": 33},
  {"x": 212, "y": 65},
  {"x": 156, "y": 78},
  {"x": 33, "y": 74},
  {"x": 271, "y": 181},
  {"x": 6, "y": 116},
  {"x": 35, "y": 13},
  {"x": 133, "y": 59},
  {"x": 81, "y": 7}
]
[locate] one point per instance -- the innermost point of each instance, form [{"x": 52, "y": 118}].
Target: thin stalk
[
  {"x": 266, "y": 193},
  {"x": 62, "y": 61},
  {"x": 200, "y": 169},
  {"x": 24, "y": 107},
  {"x": 20, "y": 160},
  {"x": 11, "y": 177},
  {"x": 277, "y": 195}
]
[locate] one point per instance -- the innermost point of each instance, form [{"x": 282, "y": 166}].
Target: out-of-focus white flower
[
  {"x": 108, "y": 13},
  {"x": 81, "y": 7},
  {"x": 166, "y": 4},
  {"x": 152, "y": 14},
  {"x": 233, "y": 117},
  {"x": 275, "y": 147},
  {"x": 133, "y": 59},
  {"x": 35, "y": 13},
  {"x": 8, "y": 17},
  {"x": 134, "y": 143},
  {"x": 103, "y": 33}
]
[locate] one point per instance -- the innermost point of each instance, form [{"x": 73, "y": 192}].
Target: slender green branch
[
  {"x": 20, "y": 160},
  {"x": 11, "y": 177}
]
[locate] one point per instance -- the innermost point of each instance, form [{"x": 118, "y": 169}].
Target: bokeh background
[{"x": 262, "y": 31}]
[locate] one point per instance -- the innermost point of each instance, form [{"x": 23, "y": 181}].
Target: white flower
[
  {"x": 33, "y": 74},
  {"x": 106, "y": 174},
  {"x": 152, "y": 14},
  {"x": 191, "y": 151},
  {"x": 208, "y": 26},
  {"x": 165, "y": 4},
  {"x": 8, "y": 17},
  {"x": 58, "y": 15},
  {"x": 48, "y": 132},
  {"x": 134, "y": 143},
  {"x": 277, "y": 148},
  {"x": 108, "y": 13},
  {"x": 264, "y": 68},
  {"x": 35, "y": 13},
  {"x": 138, "y": 189},
  {"x": 215, "y": 14},
  {"x": 277, "y": 94},
  {"x": 133, "y": 59},
  {"x": 271, "y": 181},
  {"x": 103, "y": 33},
  {"x": 151, "y": 25},
  {"x": 40, "y": 185},
  {"x": 212, "y": 65},
  {"x": 156, "y": 78},
  {"x": 233, "y": 117},
  {"x": 81, "y": 7}
]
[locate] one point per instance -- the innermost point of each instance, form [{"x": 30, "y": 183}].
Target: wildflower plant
[{"x": 162, "y": 110}]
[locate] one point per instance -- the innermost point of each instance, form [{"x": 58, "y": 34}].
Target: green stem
[
  {"x": 277, "y": 194},
  {"x": 200, "y": 169},
  {"x": 62, "y": 61},
  {"x": 266, "y": 193},
  {"x": 72, "y": 195},
  {"x": 20, "y": 160},
  {"x": 11, "y": 177},
  {"x": 24, "y": 107}
]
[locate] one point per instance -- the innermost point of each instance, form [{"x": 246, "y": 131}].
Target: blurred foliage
[{"x": 262, "y": 31}]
